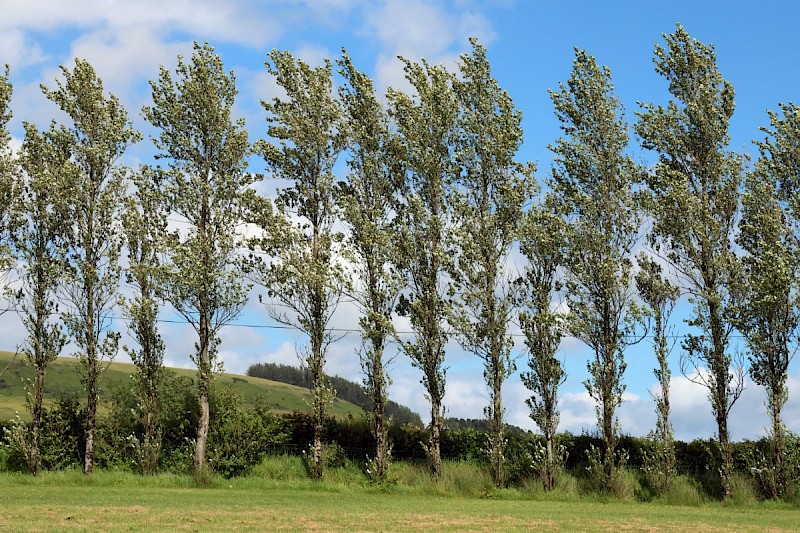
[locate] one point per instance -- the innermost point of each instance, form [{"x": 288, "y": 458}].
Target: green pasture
[
  {"x": 122, "y": 501},
  {"x": 63, "y": 377}
]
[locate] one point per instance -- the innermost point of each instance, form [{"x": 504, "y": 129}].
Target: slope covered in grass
[{"x": 64, "y": 378}]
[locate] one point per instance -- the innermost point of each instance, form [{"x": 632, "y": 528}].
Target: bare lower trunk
[
  {"x": 204, "y": 382},
  {"x": 381, "y": 447},
  {"x": 550, "y": 459},
  {"x": 726, "y": 468},
  {"x": 38, "y": 396},
  {"x": 379, "y": 429},
  {"x": 91, "y": 414},
  {"x": 498, "y": 474},
  {"x": 609, "y": 442},
  {"x": 319, "y": 418},
  {"x": 719, "y": 396},
  {"x": 778, "y": 438},
  {"x": 202, "y": 433},
  {"x": 436, "y": 439},
  {"x": 151, "y": 447}
]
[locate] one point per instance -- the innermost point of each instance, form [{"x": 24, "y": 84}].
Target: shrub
[{"x": 239, "y": 438}]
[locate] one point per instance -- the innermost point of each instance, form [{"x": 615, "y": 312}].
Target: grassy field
[
  {"x": 63, "y": 377},
  {"x": 114, "y": 501}
]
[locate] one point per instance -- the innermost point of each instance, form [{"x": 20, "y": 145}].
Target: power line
[{"x": 356, "y": 330}]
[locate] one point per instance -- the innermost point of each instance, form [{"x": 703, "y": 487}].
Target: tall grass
[{"x": 459, "y": 479}]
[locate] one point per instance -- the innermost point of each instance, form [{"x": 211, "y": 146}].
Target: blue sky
[{"x": 530, "y": 45}]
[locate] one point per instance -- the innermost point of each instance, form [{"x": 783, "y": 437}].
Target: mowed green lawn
[
  {"x": 125, "y": 502},
  {"x": 63, "y": 377}
]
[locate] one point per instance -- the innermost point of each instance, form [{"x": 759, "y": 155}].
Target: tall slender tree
[
  {"x": 145, "y": 224},
  {"x": 769, "y": 315},
  {"x": 695, "y": 198},
  {"x": 542, "y": 242},
  {"x": 9, "y": 180},
  {"x": 593, "y": 179},
  {"x": 367, "y": 200},
  {"x": 488, "y": 201},
  {"x": 204, "y": 181},
  {"x": 305, "y": 277},
  {"x": 97, "y": 136},
  {"x": 427, "y": 128},
  {"x": 660, "y": 296},
  {"x": 38, "y": 246}
]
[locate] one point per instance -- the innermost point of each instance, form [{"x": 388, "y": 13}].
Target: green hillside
[{"x": 63, "y": 377}]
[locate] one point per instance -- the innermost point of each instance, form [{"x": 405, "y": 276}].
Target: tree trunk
[
  {"x": 150, "y": 447},
  {"x": 91, "y": 413},
  {"x": 498, "y": 474},
  {"x": 202, "y": 435},
  {"x": 319, "y": 418},
  {"x": 379, "y": 429},
  {"x": 778, "y": 436},
  {"x": 204, "y": 378},
  {"x": 550, "y": 460},
  {"x": 719, "y": 397},
  {"x": 38, "y": 396},
  {"x": 436, "y": 439}
]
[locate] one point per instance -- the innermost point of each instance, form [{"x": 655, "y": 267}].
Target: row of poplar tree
[{"x": 434, "y": 204}]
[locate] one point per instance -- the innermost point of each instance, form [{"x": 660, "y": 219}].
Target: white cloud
[
  {"x": 18, "y": 50},
  {"x": 122, "y": 58},
  {"x": 313, "y": 54},
  {"x": 234, "y": 21},
  {"x": 415, "y": 29}
]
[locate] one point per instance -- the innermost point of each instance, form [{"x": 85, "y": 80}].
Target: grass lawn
[
  {"x": 108, "y": 501},
  {"x": 63, "y": 377}
]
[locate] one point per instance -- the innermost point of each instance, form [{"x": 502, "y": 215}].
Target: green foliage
[
  {"x": 304, "y": 276},
  {"x": 145, "y": 225},
  {"x": 542, "y": 242},
  {"x": 96, "y": 136},
  {"x": 239, "y": 437},
  {"x": 621, "y": 483},
  {"x": 39, "y": 247},
  {"x": 593, "y": 181},
  {"x": 488, "y": 199},
  {"x": 659, "y": 297},
  {"x": 693, "y": 197},
  {"x": 427, "y": 133},
  {"x": 9, "y": 188},
  {"x": 61, "y": 440},
  {"x": 367, "y": 200},
  {"x": 207, "y": 174},
  {"x": 769, "y": 313}
]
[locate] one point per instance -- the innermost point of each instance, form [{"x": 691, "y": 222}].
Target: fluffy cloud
[{"x": 417, "y": 29}]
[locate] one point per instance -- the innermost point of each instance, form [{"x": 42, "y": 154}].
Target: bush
[
  {"x": 61, "y": 438},
  {"x": 623, "y": 484},
  {"x": 239, "y": 438}
]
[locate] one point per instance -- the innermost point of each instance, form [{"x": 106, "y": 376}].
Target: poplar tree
[
  {"x": 487, "y": 200},
  {"x": 769, "y": 314},
  {"x": 542, "y": 242},
  {"x": 427, "y": 129},
  {"x": 659, "y": 296},
  {"x": 96, "y": 137},
  {"x": 593, "y": 179},
  {"x": 145, "y": 224},
  {"x": 304, "y": 277},
  {"x": 367, "y": 200},
  {"x": 9, "y": 180},
  {"x": 207, "y": 153},
  {"x": 694, "y": 202},
  {"x": 37, "y": 240}
]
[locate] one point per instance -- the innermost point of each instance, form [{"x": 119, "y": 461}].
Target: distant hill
[
  {"x": 63, "y": 378},
  {"x": 345, "y": 390}
]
